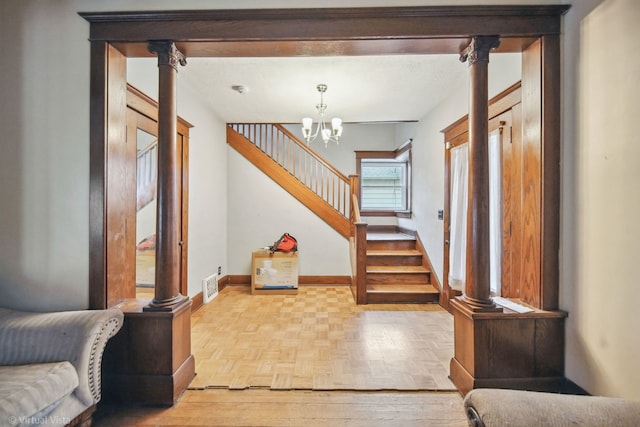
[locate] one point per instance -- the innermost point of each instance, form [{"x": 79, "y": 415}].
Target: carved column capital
[
  {"x": 168, "y": 53},
  {"x": 479, "y": 48}
]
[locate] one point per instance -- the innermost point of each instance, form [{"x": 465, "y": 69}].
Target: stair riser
[
  {"x": 401, "y": 298},
  {"x": 394, "y": 260},
  {"x": 391, "y": 244},
  {"x": 405, "y": 278}
]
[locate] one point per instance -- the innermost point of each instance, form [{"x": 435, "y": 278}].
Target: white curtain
[
  {"x": 458, "y": 216},
  {"x": 495, "y": 211}
]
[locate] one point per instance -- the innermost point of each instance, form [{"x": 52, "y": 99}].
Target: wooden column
[
  {"x": 477, "y": 287},
  {"x": 149, "y": 361},
  {"x": 168, "y": 244}
]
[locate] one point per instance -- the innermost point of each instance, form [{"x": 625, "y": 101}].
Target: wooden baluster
[{"x": 274, "y": 136}]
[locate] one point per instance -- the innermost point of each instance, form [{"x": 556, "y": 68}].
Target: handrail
[
  {"x": 301, "y": 162},
  {"x": 312, "y": 153}
]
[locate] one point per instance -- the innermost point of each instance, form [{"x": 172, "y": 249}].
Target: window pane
[{"x": 383, "y": 186}]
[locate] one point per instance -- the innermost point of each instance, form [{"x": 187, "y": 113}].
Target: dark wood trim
[
  {"x": 245, "y": 280},
  {"x": 507, "y": 349},
  {"x": 550, "y": 154},
  {"x": 97, "y": 175},
  {"x": 139, "y": 366},
  {"x": 500, "y": 103},
  {"x": 531, "y": 176},
  {"x": 426, "y": 262},
  {"x": 447, "y": 293},
  {"x": 324, "y": 25},
  {"x": 144, "y": 104},
  {"x": 197, "y": 302},
  {"x": 228, "y": 29},
  {"x": 324, "y": 280}
]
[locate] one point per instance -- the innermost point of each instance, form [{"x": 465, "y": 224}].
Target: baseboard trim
[
  {"x": 245, "y": 280},
  {"x": 435, "y": 281}
]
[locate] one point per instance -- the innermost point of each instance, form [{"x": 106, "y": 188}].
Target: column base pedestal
[
  {"x": 507, "y": 349},
  {"x": 149, "y": 361}
]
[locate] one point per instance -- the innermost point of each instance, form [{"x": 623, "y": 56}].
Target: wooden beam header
[{"x": 322, "y": 25}]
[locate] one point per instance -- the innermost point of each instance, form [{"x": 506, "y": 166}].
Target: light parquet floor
[
  {"x": 312, "y": 359},
  {"x": 319, "y": 340}
]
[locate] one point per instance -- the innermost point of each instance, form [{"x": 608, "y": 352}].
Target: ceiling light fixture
[{"x": 327, "y": 134}]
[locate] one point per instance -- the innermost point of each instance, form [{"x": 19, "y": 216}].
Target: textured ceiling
[{"x": 360, "y": 89}]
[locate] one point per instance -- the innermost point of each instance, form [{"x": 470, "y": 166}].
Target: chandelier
[{"x": 327, "y": 134}]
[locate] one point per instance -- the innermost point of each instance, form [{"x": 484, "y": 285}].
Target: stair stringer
[{"x": 288, "y": 182}]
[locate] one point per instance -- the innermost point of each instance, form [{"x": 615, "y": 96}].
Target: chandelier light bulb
[{"x": 332, "y": 134}]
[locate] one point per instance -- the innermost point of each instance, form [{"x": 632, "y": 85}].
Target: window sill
[{"x": 398, "y": 214}]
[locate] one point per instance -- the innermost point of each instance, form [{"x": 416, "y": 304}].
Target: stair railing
[
  {"x": 318, "y": 176},
  {"x": 146, "y": 174},
  {"x": 300, "y": 161}
]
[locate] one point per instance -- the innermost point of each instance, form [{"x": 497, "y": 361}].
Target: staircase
[
  {"x": 297, "y": 169},
  {"x": 395, "y": 272},
  {"x": 387, "y": 266}
]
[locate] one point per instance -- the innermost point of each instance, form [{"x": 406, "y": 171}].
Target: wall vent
[{"x": 209, "y": 288}]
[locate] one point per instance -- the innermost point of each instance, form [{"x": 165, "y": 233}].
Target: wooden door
[
  {"x": 505, "y": 113},
  {"x": 141, "y": 118}
]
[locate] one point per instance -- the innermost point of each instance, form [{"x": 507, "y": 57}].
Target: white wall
[
  {"x": 354, "y": 137},
  {"x": 600, "y": 200},
  {"x": 44, "y": 160},
  {"x": 259, "y": 210},
  {"x": 428, "y": 152}
]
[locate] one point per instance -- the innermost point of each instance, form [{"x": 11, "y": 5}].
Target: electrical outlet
[
  {"x": 219, "y": 270},
  {"x": 440, "y": 214}
]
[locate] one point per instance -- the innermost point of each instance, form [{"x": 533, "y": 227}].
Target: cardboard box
[{"x": 274, "y": 273}]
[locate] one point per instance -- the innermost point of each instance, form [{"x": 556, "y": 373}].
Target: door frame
[
  {"x": 115, "y": 36},
  {"x": 147, "y": 108}
]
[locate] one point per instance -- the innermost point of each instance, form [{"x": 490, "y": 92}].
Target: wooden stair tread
[
  {"x": 401, "y": 288},
  {"x": 389, "y": 236},
  {"x": 391, "y": 252},
  {"x": 400, "y": 269}
]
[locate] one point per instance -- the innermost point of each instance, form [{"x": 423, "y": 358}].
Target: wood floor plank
[{"x": 294, "y": 408}]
